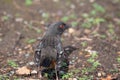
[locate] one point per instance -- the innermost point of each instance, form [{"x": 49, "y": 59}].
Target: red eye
[{"x": 62, "y": 26}]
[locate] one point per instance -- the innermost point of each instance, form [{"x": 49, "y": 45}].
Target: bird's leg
[
  {"x": 39, "y": 73},
  {"x": 56, "y": 73}
]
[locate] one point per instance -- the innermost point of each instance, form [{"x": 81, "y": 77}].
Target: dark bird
[
  {"x": 50, "y": 50},
  {"x": 64, "y": 66}
]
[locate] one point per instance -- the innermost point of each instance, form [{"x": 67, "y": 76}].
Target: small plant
[
  {"x": 84, "y": 77},
  {"x": 4, "y": 77},
  {"x": 65, "y": 18},
  {"x": 103, "y": 36},
  {"x": 12, "y": 63},
  {"x": 28, "y": 2},
  {"x": 98, "y": 8},
  {"x": 5, "y": 18},
  {"x": 111, "y": 28},
  {"x": 114, "y": 70},
  {"x": 74, "y": 23},
  {"x": 118, "y": 59},
  {"x": 38, "y": 30},
  {"x": 94, "y": 64},
  {"x": 84, "y": 44},
  {"x": 68, "y": 75},
  {"x": 91, "y": 18},
  {"x": 70, "y": 17},
  {"x": 30, "y": 41},
  {"x": 45, "y": 16}
]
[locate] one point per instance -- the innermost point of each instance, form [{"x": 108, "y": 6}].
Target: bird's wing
[
  {"x": 37, "y": 55},
  {"x": 60, "y": 55}
]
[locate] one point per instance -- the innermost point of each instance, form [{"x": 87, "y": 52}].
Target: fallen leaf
[
  {"x": 23, "y": 71},
  {"x": 107, "y": 78},
  {"x": 118, "y": 52}
]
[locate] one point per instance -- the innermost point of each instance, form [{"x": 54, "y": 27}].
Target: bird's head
[{"x": 57, "y": 28}]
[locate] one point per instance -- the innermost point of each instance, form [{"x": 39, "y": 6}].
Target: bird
[
  {"x": 50, "y": 50},
  {"x": 64, "y": 66}
]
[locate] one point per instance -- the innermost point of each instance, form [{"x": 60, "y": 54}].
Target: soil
[{"x": 19, "y": 35}]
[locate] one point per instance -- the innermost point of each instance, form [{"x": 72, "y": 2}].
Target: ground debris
[{"x": 23, "y": 71}]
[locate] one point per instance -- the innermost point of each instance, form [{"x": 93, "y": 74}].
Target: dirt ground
[{"x": 22, "y": 25}]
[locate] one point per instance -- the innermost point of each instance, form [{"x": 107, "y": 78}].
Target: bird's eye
[{"x": 61, "y": 26}]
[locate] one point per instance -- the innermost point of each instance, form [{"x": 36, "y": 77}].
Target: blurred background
[{"x": 95, "y": 31}]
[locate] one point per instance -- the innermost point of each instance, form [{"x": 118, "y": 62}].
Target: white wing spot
[
  {"x": 37, "y": 59},
  {"x": 61, "y": 52}
]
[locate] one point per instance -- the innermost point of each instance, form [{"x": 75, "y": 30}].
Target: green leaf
[
  {"x": 103, "y": 36},
  {"x": 84, "y": 44},
  {"x": 118, "y": 59},
  {"x": 73, "y": 16},
  {"x": 65, "y": 18},
  {"x": 86, "y": 25},
  {"x": 38, "y": 30},
  {"x": 74, "y": 24},
  {"x": 98, "y": 8},
  {"x": 12, "y": 63},
  {"x": 85, "y": 15},
  {"x": 5, "y": 18},
  {"x": 93, "y": 12},
  {"x": 31, "y": 41},
  {"x": 28, "y": 2}
]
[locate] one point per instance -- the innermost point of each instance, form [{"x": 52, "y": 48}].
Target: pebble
[
  {"x": 99, "y": 74},
  {"x": 71, "y": 30},
  {"x": 72, "y": 6},
  {"x": 19, "y": 19},
  {"x": 33, "y": 72},
  {"x": 27, "y": 55},
  {"x": 31, "y": 63},
  {"x": 55, "y": 0},
  {"x": 72, "y": 79},
  {"x": 0, "y": 39}
]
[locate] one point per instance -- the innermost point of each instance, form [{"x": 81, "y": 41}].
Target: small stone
[
  {"x": 118, "y": 52},
  {"x": 25, "y": 22},
  {"x": 72, "y": 6},
  {"x": 87, "y": 31},
  {"x": 55, "y": 0},
  {"x": 99, "y": 74},
  {"x": 31, "y": 63},
  {"x": 103, "y": 73},
  {"x": 1, "y": 34},
  {"x": 0, "y": 39},
  {"x": 65, "y": 34},
  {"x": 42, "y": 22},
  {"x": 72, "y": 79},
  {"x": 27, "y": 55},
  {"x": 33, "y": 72},
  {"x": 19, "y": 19},
  {"x": 92, "y": 1},
  {"x": 71, "y": 30}
]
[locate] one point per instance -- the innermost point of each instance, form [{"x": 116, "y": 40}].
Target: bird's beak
[
  {"x": 75, "y": 48},
  {"x": 68, "y": 26}
]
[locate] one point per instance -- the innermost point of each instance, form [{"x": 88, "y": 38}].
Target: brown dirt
[{"x": 14, "y": 34}]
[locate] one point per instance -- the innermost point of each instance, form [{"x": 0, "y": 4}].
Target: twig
[{"x": 16, "y": 42}]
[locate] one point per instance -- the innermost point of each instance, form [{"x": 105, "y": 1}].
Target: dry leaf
[
  {"x": 107, "y": 78},
  {"x": 23, "y": 71}
]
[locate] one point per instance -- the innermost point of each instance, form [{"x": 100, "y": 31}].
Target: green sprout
[
  {"x": 12, "y": 63},
  {"x": 28, "y": 2},
  {"x": 31, "y": 41}
]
